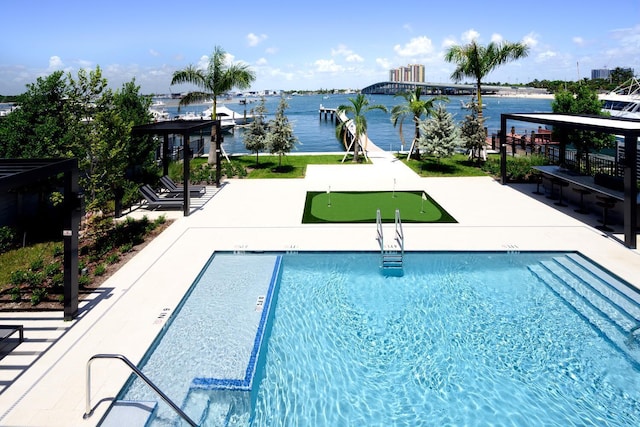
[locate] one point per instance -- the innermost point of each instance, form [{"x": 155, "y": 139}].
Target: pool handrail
[{"x": 143, "y": 377}]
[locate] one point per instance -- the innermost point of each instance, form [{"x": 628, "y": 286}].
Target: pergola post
[
  {"x": 72, "y": 212},
  {"x": 503, "y": 149},
  {"x": 186, "y": 172},
  {"x": 630, "y": 189}
]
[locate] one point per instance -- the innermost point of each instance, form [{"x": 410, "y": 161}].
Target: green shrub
[
  {"x": 100, "y": 270},
  {"x": 52, "y": 269},
  {"x": 7, "y": 238},
  {"x": 58, "y": 250},
  {"x": 18, "y": 277},
  {"x": 37, "y": 264},
  {"x": 113, "y": 258},
  {"x": 14, "y": 293},
  {"x": 126, "y": 248},
  {"x": 38, "y": 295},
  {"x": 84, "y": 281}
]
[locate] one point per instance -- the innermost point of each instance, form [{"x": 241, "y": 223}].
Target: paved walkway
[{"x": 43, "y": 380}]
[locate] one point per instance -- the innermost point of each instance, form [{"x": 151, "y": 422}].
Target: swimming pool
[{"x": 461, "y": 338}]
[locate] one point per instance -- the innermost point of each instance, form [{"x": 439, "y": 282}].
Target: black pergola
[
  {"x": 17, "y": 173},
  {"x": 627, "y": 128},
  {"x": 186, "y": 128}
]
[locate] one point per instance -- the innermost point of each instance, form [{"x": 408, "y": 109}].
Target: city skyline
[{"x": 308, "y": 46}]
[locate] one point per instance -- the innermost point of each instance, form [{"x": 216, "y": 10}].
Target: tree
[
  {"x": 40, "y": 127},
  {"x": 218, "y": 78},
  {"x": 255, "y": 135},
  {"x": 477, "y": 61},
  {"x": 472, "y": 132},
  {"x": 440, "y": 135},
  {"x": 414, "y": 108},
  {"x": 584, "y": 101},
  {"x": 66, "y": 116},
  {"x": 358, "y": 124},
  {"x": 280, "y": 138}
]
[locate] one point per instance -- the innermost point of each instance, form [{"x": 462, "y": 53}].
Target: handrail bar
[
  {"x": 399, "y": 231},
  {"x": 143, "y": 377},
  {"x": 380, "y": 237}
]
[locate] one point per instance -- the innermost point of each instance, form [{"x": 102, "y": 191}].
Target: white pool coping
[{"x": 265, "y": 215}]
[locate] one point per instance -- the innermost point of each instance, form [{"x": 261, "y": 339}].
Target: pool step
[
  {"x": 608, "y": 305},
  {"x": 129, "y": 413}
]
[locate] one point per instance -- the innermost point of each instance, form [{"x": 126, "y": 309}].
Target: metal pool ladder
[
  {"x": 393, "y": 256},
  {"x": 143, "y": 377}
]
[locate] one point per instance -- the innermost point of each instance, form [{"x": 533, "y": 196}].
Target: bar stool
[
  {"x": 552, "y": 195},
  {"x": 561, "y": 183},
  {"x": 606, "y": 203},
  {"x": 538, "y": 178},
  {"x": 582, "y": 191}
]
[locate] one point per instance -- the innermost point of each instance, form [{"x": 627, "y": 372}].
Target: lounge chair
[
  {"x": 171, "y": 187},
  {"x": 154, "y": 201},
  {"x": 7, "y": 339}
]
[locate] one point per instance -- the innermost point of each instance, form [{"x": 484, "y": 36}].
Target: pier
[{"x": 328, "y": 112}]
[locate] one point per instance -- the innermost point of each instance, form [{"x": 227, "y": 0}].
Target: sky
[{"x": 308, "y": 45}]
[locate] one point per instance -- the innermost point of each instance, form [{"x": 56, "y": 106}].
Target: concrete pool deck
[{"x": 42, "y": 382}]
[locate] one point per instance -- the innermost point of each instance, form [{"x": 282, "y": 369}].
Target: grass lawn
[
  {"x": 361, "y": 207},
  {"x": 292, "y": 166},
  {"x": 455, "y": 166}
]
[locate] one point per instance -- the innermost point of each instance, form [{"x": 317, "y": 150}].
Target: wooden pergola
[
  {"x": 627, "y": 128},
  {"x": 17, "y": 173},
  {"x": 186, "y": 128}
]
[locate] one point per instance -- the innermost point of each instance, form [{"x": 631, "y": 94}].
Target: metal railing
[
  {"x": 143, "y": 377},
  {"x": 380, "y": 236},
  {"x": 399, "y": 232}
]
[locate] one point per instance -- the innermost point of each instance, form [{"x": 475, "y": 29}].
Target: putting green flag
[{"x": 424, "y": 196}]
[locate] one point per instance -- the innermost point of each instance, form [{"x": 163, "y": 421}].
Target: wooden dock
[{"x": 328, "y": 113}]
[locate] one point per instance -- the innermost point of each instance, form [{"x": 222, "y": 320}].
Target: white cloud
[
  {"x": 546, "y": 55},
  {"x": 417, "y": 46},
  {"x": 262, "y": 61},
  {"x": 470, "y": 35},
  {"x": 254, "y": 39},
  {"x": 383, "y": 63},
  {"x": 497, "y": 38},
  {"x": 55, "y": 63},
  {"x": 327, "y": 66},
  {"x": 578, "y": 40},
  {"x": 530, "y": 40},
  {"x": 271, "y": 50}
]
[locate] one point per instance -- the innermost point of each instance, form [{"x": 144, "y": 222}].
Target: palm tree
[
  {"x": 414, "y": 108},
  {"x": 218, "y": 78},
  {"x": 477, "y": 61},
  {"x": 358, "y": 124}
]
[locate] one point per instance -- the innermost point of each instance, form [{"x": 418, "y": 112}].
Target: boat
[
  {"x": 467, "y": 105},
  {"x": 623, "y": 101},
  {"x": 227, "y": 115}
]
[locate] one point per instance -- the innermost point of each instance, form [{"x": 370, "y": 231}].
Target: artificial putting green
[{"x": 361, "y": 206}]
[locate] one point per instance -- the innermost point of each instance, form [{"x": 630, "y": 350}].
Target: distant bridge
[{"x": 393, "y": 88}]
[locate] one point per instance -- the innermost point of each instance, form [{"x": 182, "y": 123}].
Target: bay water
[{"x": 316, "y": 134}]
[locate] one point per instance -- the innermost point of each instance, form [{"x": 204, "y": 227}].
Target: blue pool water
[{"x": 469, "y": 338}]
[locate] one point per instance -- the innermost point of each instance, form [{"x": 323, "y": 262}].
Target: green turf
[{"x": 361, "y": 206}]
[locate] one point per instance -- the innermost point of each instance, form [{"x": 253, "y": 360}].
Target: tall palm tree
[
  {"x": 359, "y": 106},
  {"x": 414, "y": 108},
  {"x": 218, "y": 78},
  {"x": 477, "y": 61}
]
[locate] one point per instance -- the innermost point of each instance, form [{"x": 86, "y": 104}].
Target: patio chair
[
  {"x": 7, "y": 339},
  {"x": 172, "y": 187},
  {"x": 154, "y": 201}
]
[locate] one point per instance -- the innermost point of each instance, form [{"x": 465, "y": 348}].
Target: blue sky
[{"x": 308, "y": 44}]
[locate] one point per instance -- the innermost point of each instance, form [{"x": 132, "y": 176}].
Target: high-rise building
[
  {"x": 602, "y": 73},
  {"x": 412, "y": 73}
]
